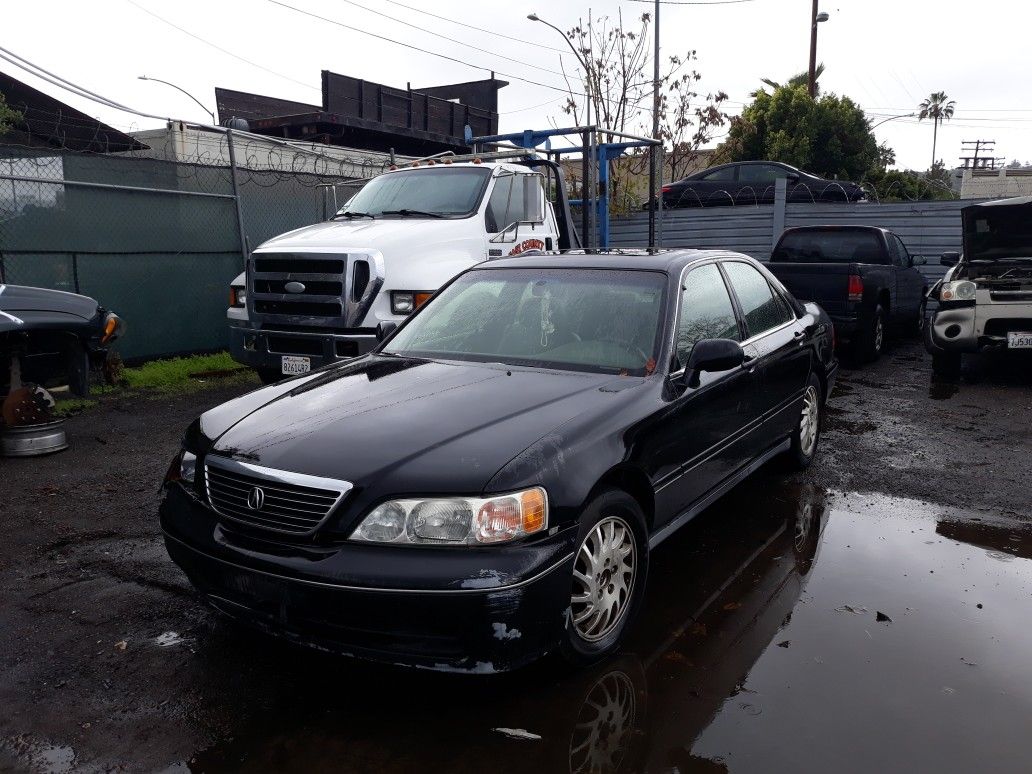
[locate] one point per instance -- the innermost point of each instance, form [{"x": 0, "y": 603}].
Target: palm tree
[
  {"x": 799, "y": 79},
  {"x": 937, "y": 107}
]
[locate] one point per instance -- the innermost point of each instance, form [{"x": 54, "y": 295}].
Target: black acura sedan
[
  {"x": 753, "y": 182},
  {"x": 486, "y": 485}
]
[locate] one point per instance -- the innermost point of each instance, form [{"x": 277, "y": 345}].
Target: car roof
[
  {"x": 671, "y": 261},
  {"x": 835, "y": 227}
]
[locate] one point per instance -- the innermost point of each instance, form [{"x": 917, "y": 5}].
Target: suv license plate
[
  {"x": 292, "y": 365},
  {"x": 1016, "y": 340}
]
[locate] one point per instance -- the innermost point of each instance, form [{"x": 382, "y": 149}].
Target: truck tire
[
  {"x": 870, "y": 342},
  {"x": 915, "y": 327},
  {"x": 946, "y": 363},
  {"x": 269, "y": 375}
]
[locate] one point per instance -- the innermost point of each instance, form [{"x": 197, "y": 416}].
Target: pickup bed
[{"x": 864, "y": 277}]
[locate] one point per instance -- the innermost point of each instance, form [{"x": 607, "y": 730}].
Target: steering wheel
[{"x": 627, "y": 348}]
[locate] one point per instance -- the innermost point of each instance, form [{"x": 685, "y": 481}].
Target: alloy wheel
[
  {"x": 879, "y": 334},
  {"x": 603, "y": 578},
  {"x": 809, "y": 421}
]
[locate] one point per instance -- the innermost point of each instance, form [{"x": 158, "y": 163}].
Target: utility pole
[{"x": 655, "y": 157}]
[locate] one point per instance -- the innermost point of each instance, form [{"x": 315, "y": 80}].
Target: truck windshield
[
  {"x": 835, "y": 246},
  {"x": 430, "y": 192},
  {"x": 604, "y": 321}
]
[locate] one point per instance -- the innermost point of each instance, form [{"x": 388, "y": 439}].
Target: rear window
[{"x": 829, "y": 247}]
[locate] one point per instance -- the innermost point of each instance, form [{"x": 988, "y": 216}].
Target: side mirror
[
  {"x": 385, "y": 330},
  {"x": 950, "y": 259},
  {"x": 918, "y": 260},
  {"x": 712, "y": 355}
]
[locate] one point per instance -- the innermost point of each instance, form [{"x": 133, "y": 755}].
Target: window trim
[
  {"x": 676, "y": 321},
  {"x": 741, "y": 312}
]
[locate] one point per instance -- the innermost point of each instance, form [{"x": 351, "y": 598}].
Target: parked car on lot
[
  {"x": 864, "y": 277},
  {"x": 50, "y": 337},
  {"x": 485, "y": 486},
  {"x": 985, "y": 299},
  {"x": 752, "y": 182}
]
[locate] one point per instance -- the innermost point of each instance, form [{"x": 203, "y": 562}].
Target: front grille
[
  {"x": 299, "y": 265},
  {"x": 304, "y": 308},
  {"x": 1001, "y": 326},
  {"x": 288, "y": 503}
]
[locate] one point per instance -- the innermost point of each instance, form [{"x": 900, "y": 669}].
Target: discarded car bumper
[{"x": 335, "y": 598}]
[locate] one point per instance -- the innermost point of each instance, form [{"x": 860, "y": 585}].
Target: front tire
[
  {"x": 807, "y": 434},
  {"x": 608, "y": 577}
]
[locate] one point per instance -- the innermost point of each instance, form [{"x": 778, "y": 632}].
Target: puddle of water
[{"x": 742, "y": 660}]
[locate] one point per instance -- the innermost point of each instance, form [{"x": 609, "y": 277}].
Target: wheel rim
[
  {"x": 879, "y": 334},
  {"x": 603, "y": 578},
  {"x": 604, "y": 725},
  {"x": 809, "y": 421}
]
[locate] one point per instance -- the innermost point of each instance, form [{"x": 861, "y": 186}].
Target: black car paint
[
  {"x": 898, "y": 286},
  {"x": 697, "y": 190},
  {"x": 56, "y": 335},
  {"x": 396, "y": 426}
]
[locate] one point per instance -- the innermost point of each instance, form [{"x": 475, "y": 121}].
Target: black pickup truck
[{"x": 864, "y": 277}]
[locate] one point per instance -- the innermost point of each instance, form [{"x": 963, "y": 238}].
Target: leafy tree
[
  {"x": 8, "y": 116},
  {"x": 937, "y": 107},
  {"x": 886, "y": 156},
  {"x": 905, "y": 186},
  {"x": 829, "y": 136},
  {"x": 799, "y": 79}
]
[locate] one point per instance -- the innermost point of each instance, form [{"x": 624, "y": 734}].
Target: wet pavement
[{"x": 798, "y": 625}]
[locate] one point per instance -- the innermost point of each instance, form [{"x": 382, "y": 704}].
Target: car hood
[
  {"x": 998, "y": 230},
  {"x": 426, "y": 426},
  {"x": 380, "y": 234},
  {"x": 23, "y": 307}
]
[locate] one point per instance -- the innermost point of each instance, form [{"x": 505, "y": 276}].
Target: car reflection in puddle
[{"x": 751, "y": 654}]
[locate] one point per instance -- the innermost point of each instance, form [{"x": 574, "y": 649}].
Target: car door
[
  {"x": 911, "y": 282},
  {"x": 703, "y": 425},
  {"x": 515, "y": 219},
  {"x": 782, "y": 357},
  {"x": 756, "y": 183}
]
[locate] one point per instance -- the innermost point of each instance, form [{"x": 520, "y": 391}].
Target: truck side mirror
[
  {"x": 385, "y": 330},
  {"x": 949, "y": 259}
]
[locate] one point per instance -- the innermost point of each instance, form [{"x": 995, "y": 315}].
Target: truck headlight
[
  {"x": 961, "y": 290},
  {"x": 456, "y": 520},
  {"x": 237, "y": 296},
  {"x": 408, "y": 301}
]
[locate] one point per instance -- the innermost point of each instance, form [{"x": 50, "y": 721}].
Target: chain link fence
[{"x": 158, "y": 233}]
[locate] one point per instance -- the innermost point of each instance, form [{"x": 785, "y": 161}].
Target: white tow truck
[{"x": 330, "y": 291}]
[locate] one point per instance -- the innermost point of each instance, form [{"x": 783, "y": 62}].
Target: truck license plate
[
  {"x": 1019, "y": 340},
  {"x": 293, "y": 365}
]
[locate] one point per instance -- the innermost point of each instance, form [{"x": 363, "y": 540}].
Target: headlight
[
  {"x": 114, "y": 326},
  {"x": 456, "y": 520},
  {"x": 961, "y": 290},
  {"x": 408, "y": 301},
  {"x": 237, "y": 296},
  {"x": 187, "y": 467}
]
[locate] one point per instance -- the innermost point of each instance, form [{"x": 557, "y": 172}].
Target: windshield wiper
[
  {"x": 414, "y": 213},
  {"x": 353, "y": 214}
]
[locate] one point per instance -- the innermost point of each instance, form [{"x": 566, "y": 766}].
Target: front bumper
[
  {"x": 978, "y": 328},
  {"x": 264, "y": 348},
  {"x": 399, "y": 605}
]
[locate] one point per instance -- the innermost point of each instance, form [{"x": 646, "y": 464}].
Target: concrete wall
[{"x": 995, "y": 184}]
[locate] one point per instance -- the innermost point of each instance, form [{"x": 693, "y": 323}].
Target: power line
[
  {"x": 450, "y": 40},
  {"x": 421, "y": 50},
  {"x": 220, "y": 48},
  {"x": 694, "y": 2},
  {"x": 474, "y": 27}
]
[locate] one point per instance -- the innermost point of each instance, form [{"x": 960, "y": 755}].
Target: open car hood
[{"x": 998, "y": 230}]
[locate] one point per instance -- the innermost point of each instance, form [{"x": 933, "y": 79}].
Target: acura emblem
[
  {"x": 256, "y": 499},
  {"x": 294, "y": 287}
]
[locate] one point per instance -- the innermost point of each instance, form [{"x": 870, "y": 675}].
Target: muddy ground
[{"x": 870, "y": 614}]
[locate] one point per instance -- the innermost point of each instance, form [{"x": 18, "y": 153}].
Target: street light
[
  {"x": 816, "y": 18},
  {"x": 587, "y": 71},
  {"x": 892, "y": 118},
  {"x": 178, "y": 88}
]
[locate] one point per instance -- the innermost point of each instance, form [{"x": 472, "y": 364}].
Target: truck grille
[
  {"x": 314, "y": 290},
  {"x": 267, "y": 499}
]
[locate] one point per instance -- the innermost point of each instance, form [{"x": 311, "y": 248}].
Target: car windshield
[
  {"x": 600, "y": 320},
  {"x": 437, "y": 192},
  {"x": 829, "y": 247}
]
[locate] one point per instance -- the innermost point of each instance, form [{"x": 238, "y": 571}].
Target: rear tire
[
  {"x": 870, "y": 343},
  {"x": 807, "y": 434},
  {"x": 946, "y": 363},
  {"x": 269, "y": 375},
  {"x": 607, "y": 582},
  {"x": 915, "y": 327}
]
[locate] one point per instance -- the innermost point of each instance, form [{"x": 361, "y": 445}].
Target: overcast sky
[{"x": 885, "y": 54}]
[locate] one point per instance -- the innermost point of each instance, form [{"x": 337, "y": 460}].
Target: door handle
[{"x": 798, "y": 334}]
